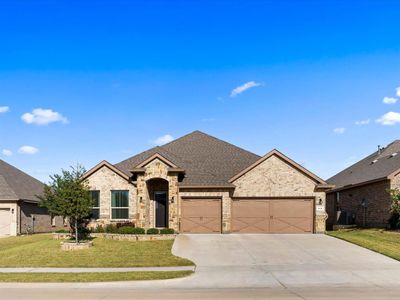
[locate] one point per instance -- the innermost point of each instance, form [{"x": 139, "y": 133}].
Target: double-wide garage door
[
  {"x": 249, "y": 215},
  {"x": 201, "y": 215},
  {"x": 272, "y": 216}
]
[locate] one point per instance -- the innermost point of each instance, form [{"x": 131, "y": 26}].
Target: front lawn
[
  {"x": 378, "y": 240},
  {"x": 40, "y": 250},
  {"x": 90, "y": 277}
]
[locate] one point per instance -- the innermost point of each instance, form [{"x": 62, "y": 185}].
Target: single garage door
[
  {"x": 5, "y": 221},
  {"x": 273, "y": 216},
  {"x": 201, "y": 215}
]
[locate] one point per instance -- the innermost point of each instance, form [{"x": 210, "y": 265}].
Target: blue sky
[{"x": 91, "y": 80}]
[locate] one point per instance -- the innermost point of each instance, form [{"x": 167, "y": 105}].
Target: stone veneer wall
[
  {"x": 276, "y": 178},
  {"x": 105, "y": 180},
  {"x": 145, "y": 207},
  {"x": 223, "y": 194}
]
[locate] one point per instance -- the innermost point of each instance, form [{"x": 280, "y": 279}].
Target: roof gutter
[
  {"x": 350, "y": 186},
  {"x": 205, "y": 187}
]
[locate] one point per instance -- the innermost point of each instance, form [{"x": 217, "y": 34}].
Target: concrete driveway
[
  {"x": 256, "y": 260},
  {"x": 249, "y": 267}
]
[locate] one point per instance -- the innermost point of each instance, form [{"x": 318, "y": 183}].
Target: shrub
[
  {"x": 125, "y": 224},
  {"x": 167, "y": 231},
  {"x": 110, "y": 228},
  {"x": 138, "y": 230},
  {"x": 83, "y": 233},
  {"x": 153, "y": 231},
  {"x": 98, "y": 229},
  {"x": 126, "y": 230},
  {"x": 394, "y": 220},
  {"x": 62, "y": 231}
]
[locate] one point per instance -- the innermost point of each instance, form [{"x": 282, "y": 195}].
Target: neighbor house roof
[
  {"x": 17, "y": 185},
  {"x": 380, "y": 165},
  {"x": 206, "y": 160}
]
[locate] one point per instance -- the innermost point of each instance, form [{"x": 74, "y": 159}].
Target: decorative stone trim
[
  {"x": 134, "y": 237},
  {"x": 343, "y": 227},
  {"x": 61, "y": 236},
  {"x": 70, "y": 246}
]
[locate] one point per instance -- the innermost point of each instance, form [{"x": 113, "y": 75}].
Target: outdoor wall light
[
  {"x": 320, "y": 201},
  {"x": 141, "y": 199},
  {"x": 172, "y": 199},
  {"x": 364, "y": 203},
  {"x": 12, "y": 210}
]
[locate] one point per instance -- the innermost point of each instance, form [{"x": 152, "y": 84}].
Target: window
[
  {"x": 96, "y": 204},
  {"x": 119, "y": 205},
  {"x": 53, "y": 220}
]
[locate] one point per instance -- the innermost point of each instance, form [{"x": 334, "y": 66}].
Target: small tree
[
  {"x": 395, "y": 208},
  {"x": 68, "y": 195}
]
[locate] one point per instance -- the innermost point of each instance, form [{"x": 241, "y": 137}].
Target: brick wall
[
  {"x": 331, "y": 210},
  {"x": 374, "y": 214},
  {"x": 38, "y": 219}
]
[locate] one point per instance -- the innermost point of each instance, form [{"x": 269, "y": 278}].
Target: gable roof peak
[
  {"x": 275, "y": 152},
  {"x": 159, "y": 156},
  {"x": 105, "y": 163}
]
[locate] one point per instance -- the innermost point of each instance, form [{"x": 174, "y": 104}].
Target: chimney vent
[{"x": 379, "y": 149}]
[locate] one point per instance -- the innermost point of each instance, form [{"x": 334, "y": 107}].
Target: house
[
  {"x": 361, "y": 194},
  {"x": 19, "y": 210},
  {"x": 200, "y": 184}
]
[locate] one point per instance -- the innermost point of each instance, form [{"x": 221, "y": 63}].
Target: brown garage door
[
  {"x": 201, "y": 215},
  {"x": 272, "y": 216}
]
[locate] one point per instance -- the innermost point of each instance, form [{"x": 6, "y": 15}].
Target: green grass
[
  {"x": 42, "y": 251},
  {"x": 378, "y": 240},
  {"x": 90, "y": 277}
]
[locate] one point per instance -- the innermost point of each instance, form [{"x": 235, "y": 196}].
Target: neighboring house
[
  {"x": 361, "y": 193},
  {"x": 19, "y": 210},
  {"x": 200, "y": 184}
]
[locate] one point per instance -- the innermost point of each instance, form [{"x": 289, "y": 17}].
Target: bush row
[{"x": 110, "y": 228}]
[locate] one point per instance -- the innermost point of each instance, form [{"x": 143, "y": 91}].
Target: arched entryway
[{"x": 158, "y": 195}]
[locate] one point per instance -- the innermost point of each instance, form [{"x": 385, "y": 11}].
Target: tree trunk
[{"x": 76, "y": 231}]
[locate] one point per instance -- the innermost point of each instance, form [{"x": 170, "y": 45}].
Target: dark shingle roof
[
  {"x": 207, "y": 160},
  {"x": 17, "y": 185},
  {"x": 373, "y": 167}
]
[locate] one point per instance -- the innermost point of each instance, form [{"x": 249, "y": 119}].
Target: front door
[{"x": 161, "y": 208}]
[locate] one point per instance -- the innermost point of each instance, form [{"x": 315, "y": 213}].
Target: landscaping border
[
  {"x": 121, "y": 237},
  {"x": 134, "y": 237}
]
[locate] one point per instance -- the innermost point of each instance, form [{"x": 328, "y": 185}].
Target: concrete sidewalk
[{"x": 96, "y": 270}]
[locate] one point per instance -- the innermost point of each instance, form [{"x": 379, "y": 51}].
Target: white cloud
[
  {"x": 163, "y": 139},
  {"x": 4, "y": 109},
  {"x": 398, "y": 91},
  {"x": 28, "y": 150},
  {"x": 363, "y": 122},
  {"x": 40, "y": 116},
  {"x": 240, "y": 89},
  {"x": 6, "y": 152},
  {"x": 339, "y": 130},
  {"x": 390, "y": 118},
  {"x": 389, "y": 100}
]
